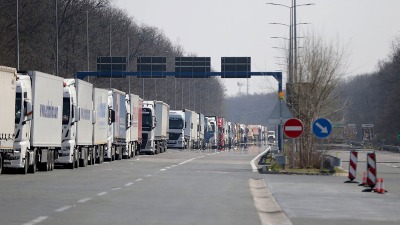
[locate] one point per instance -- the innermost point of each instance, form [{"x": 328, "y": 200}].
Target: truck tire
[
  {"x": 76, "y": 160},
  {"x": 32, "y": 168},
  {"x": 83, "y": 162},
  {"x": 25, "y": 169},
  {"x": 91, "y": 157},
  {"x": 1, "y": 163}
]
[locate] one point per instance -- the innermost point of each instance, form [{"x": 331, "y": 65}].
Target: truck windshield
[
  {"x": 18, "y": 107},
  {"x": 66, "y": 111},
  {"x": 176, "y": 123},
  {"x": 146, "y": 119}
]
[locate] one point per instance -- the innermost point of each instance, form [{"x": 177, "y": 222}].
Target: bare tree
[{"x": 319, "y": 68}]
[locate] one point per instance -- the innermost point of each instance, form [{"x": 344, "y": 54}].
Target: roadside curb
[
  {"x": 268, "y": 208},
  {"x": 301, "y": 173}
]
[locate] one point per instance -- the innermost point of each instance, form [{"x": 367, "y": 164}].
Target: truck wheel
[
  {"x": 101, "y": 156},
  {"x": 32, "y": 168},
  {"x": 25, "y": 169},
  {"x": 83, "y": 162},
  {"x": 90, "y": 159},
  {"x": 76, "y": 160},
  {"x": 1, "y": 164}
]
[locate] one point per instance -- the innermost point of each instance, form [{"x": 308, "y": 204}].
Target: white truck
[
  {"x": 177, "y": 129},
  {"x": 8, "y": 113},
  {"x": 199, "y": 144},
  {"x": 155, "y": 124},
  {"x": 117, "y": 125},
  {"x": 190, "y": 130},
  {"x": 211, "y": 134},
  {"x": 134, "y": 106},
  {"x": 38, "y": 124},
  {"x": 101, "y": 119},
  {"x": 77, "y": 134}
]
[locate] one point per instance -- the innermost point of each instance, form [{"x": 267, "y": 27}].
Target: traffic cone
[
  {"x": 364, "y": 180},
  {"x": 378, "y": 185},
  {"x": 382, "y": 189}
]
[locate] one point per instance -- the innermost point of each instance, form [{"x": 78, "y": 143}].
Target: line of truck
[{"x": 49, "y": 121}]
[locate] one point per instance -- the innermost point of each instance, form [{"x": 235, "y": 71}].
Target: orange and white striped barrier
[
  {"x": 371, "y": 170},
  {"x": 353, "y": 165}
]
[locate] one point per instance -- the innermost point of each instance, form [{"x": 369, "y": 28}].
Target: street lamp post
[
  {"x": 17, "y": 35},
  {"x": 292, "y": 57}
]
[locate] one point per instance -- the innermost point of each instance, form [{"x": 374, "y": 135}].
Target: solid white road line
[
  {"x": 37, "y": 220},
  {"x": 64, "y": 208}
]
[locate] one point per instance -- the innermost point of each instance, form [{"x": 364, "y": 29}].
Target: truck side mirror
[
  {"x": 94, "y": 119},
  {"x": 28, "y": 110},
  {"x": 128, "y": 120},
  {"x": 28, "y": 113},
  {"x": 111, "y": 116},
  {"x": 154, "y": 122},
  {"x": 77, "y": 116}
]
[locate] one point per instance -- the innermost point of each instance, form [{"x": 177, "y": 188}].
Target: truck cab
[
  {"x": 149, "y": 122},
  {"x": 177, "y": 129},
  {"x": 69, "y": 153},
  {"x": 22, "y": 157}
]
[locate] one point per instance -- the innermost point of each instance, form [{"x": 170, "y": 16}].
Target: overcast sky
[{"x": 218, "y": 28}]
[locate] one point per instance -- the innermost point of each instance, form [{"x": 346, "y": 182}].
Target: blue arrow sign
[{"x": 322, "y": 128}]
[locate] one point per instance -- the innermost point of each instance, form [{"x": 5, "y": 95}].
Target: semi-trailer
[
  {"x": 38, "y": 122},
  {"x": 134, "y": 106},
  {"x": 117, "y": 125},
  {"x": 155, "y": 125},
  {"x": 9, "y": 113}
]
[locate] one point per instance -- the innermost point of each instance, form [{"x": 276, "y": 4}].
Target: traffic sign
[
  {"x": 322, "y": 128},
  {"x": 293, "y": 128}
]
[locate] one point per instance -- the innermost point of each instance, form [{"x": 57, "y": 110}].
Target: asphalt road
[
  {"x": 176, "y": 187},
  {"x": 194, "y": 187}
]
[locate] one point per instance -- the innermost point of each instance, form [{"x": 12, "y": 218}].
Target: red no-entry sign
[{"x": 293, "y": 128}]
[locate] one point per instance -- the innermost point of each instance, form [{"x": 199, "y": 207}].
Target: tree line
[
  {"x": 374, "y": 99},
  {"x": 82, "y": 28}
]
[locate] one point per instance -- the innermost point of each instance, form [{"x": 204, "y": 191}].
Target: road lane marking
[
  {"x": 37, "y": 220},
  {"x": 102, "y": 193},
  {"x": 83, "y": 200},
  {"x": 140, "y": 179},
  {"x": 149, "y": 175},
  {"x": 64, "y": 208},
  {"x": 163, "y": 169},
  {"x": 116, "y": 189},
  {"x": 128, "y": 184}
]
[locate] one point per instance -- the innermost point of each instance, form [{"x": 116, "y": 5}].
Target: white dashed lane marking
[
  {"x": 37, "y": 220},
  {"x": 102, "y": 193},
  {"x": 140, "y": 179},
  {"x": 62, "y": 209},
  {"x": 128, "y": 184},
  {"x": 83, "y": 200}
]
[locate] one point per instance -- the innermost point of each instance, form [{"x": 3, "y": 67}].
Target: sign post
[
  {"x": 293, "y": 128},
  {"x": 322, "y": 128}
]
